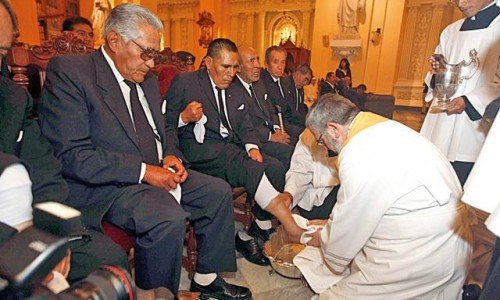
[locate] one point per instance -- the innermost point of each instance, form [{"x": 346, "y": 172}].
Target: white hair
[{"x": 127, "y": 19}]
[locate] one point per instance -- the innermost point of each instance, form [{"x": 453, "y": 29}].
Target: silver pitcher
[{"x": 448, "y": 77}]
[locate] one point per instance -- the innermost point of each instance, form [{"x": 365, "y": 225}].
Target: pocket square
[
  {"x": 20, "y": 136},
  {"x": 265, "y": 96},
  {"x": 164, "y": 106},
  {"x": 242, "y": 107}
]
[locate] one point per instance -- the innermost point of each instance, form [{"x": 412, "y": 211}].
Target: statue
[
  {"x": 347, "y": 16},
  {"x": 99, "y": 16}
]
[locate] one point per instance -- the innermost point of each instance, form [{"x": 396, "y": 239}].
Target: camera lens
[{"x": 108, "y": 282}]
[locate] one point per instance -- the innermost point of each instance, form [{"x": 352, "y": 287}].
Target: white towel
[
  {"x": 177, "y": 192},
  {"x": 199, "y": 129},
  {"x": 304, "y": 224}
]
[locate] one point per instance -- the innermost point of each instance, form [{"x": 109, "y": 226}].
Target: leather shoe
[
  {"x": 220, "y": 289},
  {"x": 251, "y": 251},
  {"x": 261, "y": 235}
]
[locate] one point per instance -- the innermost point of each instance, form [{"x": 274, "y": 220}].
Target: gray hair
[
  {"x": 331, "y": 108},
  {"x": 127, "y": 19},
  {"x": 304, "y": 69}
]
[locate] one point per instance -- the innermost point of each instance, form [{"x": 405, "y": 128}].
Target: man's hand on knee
[
  {"x": 161, "y": 177},
  {"x": 173, "y": 162}
]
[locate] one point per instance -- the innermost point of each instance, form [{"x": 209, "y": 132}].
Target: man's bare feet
[{"x": 279, "y": 208}]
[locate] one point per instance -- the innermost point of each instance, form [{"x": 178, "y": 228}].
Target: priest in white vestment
[
  {"x": 398, "y": 229},
  {"x": 312, "y": 181},
  {"x": 457, "y": 132}
]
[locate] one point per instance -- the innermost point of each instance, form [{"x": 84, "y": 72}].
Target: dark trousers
[
  {"x": 323, "y": 211},
  {"x": 280, "y": 151},
  {"x": 463, "y": 170},
  {"x": 491, "y": 289},
  {"x": 158, "y": 222}
]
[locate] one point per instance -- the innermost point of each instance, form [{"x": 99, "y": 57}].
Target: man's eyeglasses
[
  {"x": 149, "y": 53},
  {"x": 319, "y": 140}
]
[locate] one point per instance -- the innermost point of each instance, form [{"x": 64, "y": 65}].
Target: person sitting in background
[
  {"x": 188, "y": 59},
  {"x": 82, "y": 28},
  {"x": 343, "y": 73},
  {"x": 329, "y": 85},
  {"x": 357, "y": 95},
  {"x": 311, "y": 92},
  {"x": 293, "y": 86},
  {"x": 312, "y": 182}
]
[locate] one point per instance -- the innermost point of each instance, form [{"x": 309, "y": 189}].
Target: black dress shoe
[
  {"x": 220, "y": 289},
  {"x": 251, "y": 251},
  {"x": 262, "y": 235}
]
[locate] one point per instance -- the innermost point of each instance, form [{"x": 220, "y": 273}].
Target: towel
[{"x": 199, "y": 129}]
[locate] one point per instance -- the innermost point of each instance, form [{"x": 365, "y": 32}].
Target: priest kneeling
[{"x": 398, "y": 229}]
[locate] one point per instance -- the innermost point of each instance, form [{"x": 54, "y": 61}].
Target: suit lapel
[
  {"x": 206, "y": 86},
  {"x": 112, "y": 95},
  {"x": 154, "y": 103}
]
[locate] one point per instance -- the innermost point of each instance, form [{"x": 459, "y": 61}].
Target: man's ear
[
  {"x": 208, "y": 62},
  {"x": 113, "y": 40},
  {"x": 334, "y": 130}
]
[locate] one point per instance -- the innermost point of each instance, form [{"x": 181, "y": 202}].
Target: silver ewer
[{"x": 448, "y": 77}]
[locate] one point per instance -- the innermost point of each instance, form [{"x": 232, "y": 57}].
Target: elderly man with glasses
[{"x": 103, "y": 115}]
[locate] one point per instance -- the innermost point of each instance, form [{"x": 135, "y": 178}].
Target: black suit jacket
[
  {"x": 196, "y": 86},
  {"x": 326, "y": 88},
  {"x": 262, "y": 121},
  {"x": 275, "y": 96},
  {"x": 20, "y": 136},
  {"x": 298, "y": 109},
  {"x": 85, "y": 117}
]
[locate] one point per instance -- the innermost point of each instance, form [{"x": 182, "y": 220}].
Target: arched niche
[{"x": 285, "y": 26}]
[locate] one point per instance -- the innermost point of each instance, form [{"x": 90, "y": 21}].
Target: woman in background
[{"x": 343, "y": 73}]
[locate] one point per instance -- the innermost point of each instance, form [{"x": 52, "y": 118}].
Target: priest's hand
[
  {"x": 171, "y": 161},
  {"x": 192, "y": 113},
  {"x": 455, "y": 106},
  {"x": 255, "y": 155},
  {"x": 161, "y": 177}
]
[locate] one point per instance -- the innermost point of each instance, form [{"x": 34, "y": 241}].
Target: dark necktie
[
  {"x": 145, "y": 134},
  {"x": 255, "y": 98},
  {"x": 298, "y": 99},
  {"x": 222, "y": 109}
]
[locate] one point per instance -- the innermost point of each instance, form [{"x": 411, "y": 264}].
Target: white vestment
[
  {"x": 398, "y": 230},
  {"x": 459, "y": 138},
  {"x": 311, "y": 176},
  {"x": 482, "y": 189}
]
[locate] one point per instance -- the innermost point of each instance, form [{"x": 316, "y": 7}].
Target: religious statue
[
  {"x": 99, "y": 16},
  {"x": 347, "y": 16}
]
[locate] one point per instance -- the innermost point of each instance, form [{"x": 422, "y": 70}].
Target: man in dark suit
[
  {"x": 102, "y": 114},
  {"x": 222, "y": 141},
  {"x": 20, "y": 136},
  {"x": 272, "y": 79},
  {"x": 293, "y": 87},
  {"x": 274, "y": 141},
  {"x": 328, "y": 86}
]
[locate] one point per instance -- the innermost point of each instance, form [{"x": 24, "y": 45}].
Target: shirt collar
[
  {"x": 245, "y": 84},
  {"x": 111, "y": 63}
]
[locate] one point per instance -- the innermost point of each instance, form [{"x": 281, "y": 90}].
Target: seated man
[
  {"x": 398, "y": 229},
  {"x": 293, "y": 87},
  {"x": 20, "y": 136},
  {"x": 329, "y": 85},
  {"x": 312, "y": 182},
  {"x": 274, "y": 141},
  {"x": 82, "y": 28},
  {"x": 219, "y": 139},
  {"x": 102, "y": 114}
]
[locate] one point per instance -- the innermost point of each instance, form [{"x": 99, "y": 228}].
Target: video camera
[{"x": 27, "y": 257}]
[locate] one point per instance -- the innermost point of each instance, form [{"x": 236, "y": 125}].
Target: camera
[{"x": 27, "y": 257}]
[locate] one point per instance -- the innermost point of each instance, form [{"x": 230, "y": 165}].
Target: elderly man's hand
[
  {"x": 455, "y": 106},
  {"x": 192, "y": 113},
  {"x": 255, "y": 155},
  {"x": 161, "y": 177},
  {"x": 171, "y": 161},
  {"x": 280, "y": 136}
]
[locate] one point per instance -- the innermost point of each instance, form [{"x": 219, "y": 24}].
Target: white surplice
[
  {"x": 311, "y": 176},
  {"x": 482, "y": 189},
  {"x": 459, "y": 138},
  {"x": 398, "y": 229}
]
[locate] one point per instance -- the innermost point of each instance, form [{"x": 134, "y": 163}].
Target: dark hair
[
  {"x": 10, "y": 11},
  {"x": 69, "y": 23},
  {"x": 184, "y": 56},
  {"x": 304, "y": 69},
  {"x": 362, "y": 86},
  {"x": 218, "y": 44},
  {"x": 271, "y": 49},
  {"x": 329, "y": 74},
  {"x": 347, "y": 64}
]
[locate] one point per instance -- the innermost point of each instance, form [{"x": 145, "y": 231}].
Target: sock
[
  {"x": 265, "y": 192},
  {"x": 204, "y": 279},
  {"x": 265, "y": 224},
  {"x": 244, "y": 236}
]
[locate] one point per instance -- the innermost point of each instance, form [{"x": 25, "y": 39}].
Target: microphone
[{"x": 280, "y": 117}]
